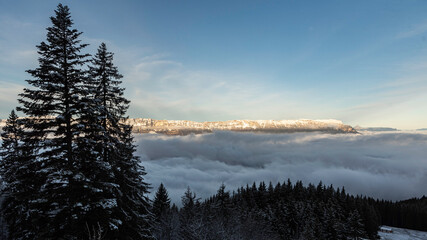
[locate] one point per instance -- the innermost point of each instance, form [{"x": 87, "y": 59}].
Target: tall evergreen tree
[
  {"x": 17, "y": 171},
  {"x": 9, "y": 169},
  {"x": 104, "y": 117},
  {"x": 190, "y": 224},
  {"x": 354, "y": 225},
  {"x": 53, "y": 109},
  {"x": 161, "y": 202},
  {"x": 87, "y": 177},
  {"x": 162, "y": 214},
  {"x": 133, "y": 203},
  {"x": 9, "y": 155},
  {"x": 54, "y": 106}
]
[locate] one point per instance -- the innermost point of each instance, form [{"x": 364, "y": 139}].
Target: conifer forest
[{"x": 69, "y": 170}]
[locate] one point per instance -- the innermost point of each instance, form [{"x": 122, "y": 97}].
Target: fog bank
[{"x": 382, "y": 165}]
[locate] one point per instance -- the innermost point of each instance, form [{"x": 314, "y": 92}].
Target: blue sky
[{"x": 363, "y": 62}]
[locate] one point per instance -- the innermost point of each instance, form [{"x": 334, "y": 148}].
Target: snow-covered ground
[{"x": 403, "y": 234}]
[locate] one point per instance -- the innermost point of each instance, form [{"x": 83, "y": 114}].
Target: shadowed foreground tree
[
  {"x": 17, "y": 176},
  {"x": 85, "y": 179},
  {"x": 53, "y": 107},
  {"x": 104, "y": 117}
]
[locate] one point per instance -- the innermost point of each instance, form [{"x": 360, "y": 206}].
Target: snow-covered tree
[
  {"x": 354, "y": 226},
  {"x": 161, "y": 202},
  {"x": 52, "y": 105},
  {"x": 18, "y": 171},
  {"x": 10, "y": 153},
  {"x": 104, "y": 119},
  {"x": 162, "y": 214},
  {"x": 87, "y": 179},
  {"x": 191, "y": 216}
]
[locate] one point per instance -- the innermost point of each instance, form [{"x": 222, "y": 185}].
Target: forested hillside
[
  {"x": 282, "y": 211},
  {"x": 411, "y": 213}
]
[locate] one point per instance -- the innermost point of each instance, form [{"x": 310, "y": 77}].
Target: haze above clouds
[
  {"x": 382, "y": 165},
  {"x": 360, "y": 62}
]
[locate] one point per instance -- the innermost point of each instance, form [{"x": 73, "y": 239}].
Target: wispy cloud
[
  {"x": 413, "y": 31},
  {"x": 17, "y": 42},
  {"x": 164, "y": 88},
  {"x": 159, "y": 85},
  {"x": 8, "y": 97}
]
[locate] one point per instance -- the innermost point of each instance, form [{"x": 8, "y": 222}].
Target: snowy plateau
[
  {"x": 184, "y": 127},
  {"x": 402, "y": 234}
]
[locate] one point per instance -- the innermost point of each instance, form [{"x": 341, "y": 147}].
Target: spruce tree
[
  {"x": 162, "y": 214},
  {"x": 161, "y": 203},
  {"x": 9, "y": 153},
  {"x": 189, "y": 224},
  {"x": 354, "y": 225},
  {"x": 86, "y": 179},
  {"x": 106, "y": 127},
  {"x": 53, "y": 109},
  {"x": 18, "y": 171}
]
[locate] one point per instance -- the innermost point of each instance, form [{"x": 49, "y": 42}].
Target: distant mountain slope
[
  {"x": 379, "y": 129},
  {"x": 376, "y": 129},
  {"x": 183, "y": 127}
]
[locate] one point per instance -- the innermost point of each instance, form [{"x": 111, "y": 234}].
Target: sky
[
  {"x": 389, "y": 166},
  {"x": 362, "y": 62}
]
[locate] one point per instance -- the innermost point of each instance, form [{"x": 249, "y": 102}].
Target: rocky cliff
[{"x": 183, "y": 127}]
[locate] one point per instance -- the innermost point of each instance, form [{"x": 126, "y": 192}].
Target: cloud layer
[{"x": 386, "y": 165}]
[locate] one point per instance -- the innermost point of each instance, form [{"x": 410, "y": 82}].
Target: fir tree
[
  {"x": 86, "y": 174},
  {"x": 190, "y": 223},
  {"x": 9, "y": 153},
  {"x": 354, "y": 225},
  {"x": 162, "y": 214},
  {"x": 9, "y": 156},
  {"x": 20, "y": 188},
  {"x": 104, "y": 115},
  {"x": 53, "y": 109},
  {"x": 161, "y": 203},
  {"x": 133, "y": 202}
]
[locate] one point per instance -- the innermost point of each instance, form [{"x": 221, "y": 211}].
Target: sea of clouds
[{"x": 382, "y": 165}]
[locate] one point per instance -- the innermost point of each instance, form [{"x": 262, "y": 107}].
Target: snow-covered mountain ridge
[{"x": 183, "y": 127}]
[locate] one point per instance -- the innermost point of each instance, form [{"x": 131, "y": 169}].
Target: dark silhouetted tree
[
  {"x": 53, "y": 108},
  {"x": 161, "y": 202},
  {"x": 15, "y": 170},
  {"x": 85, "y": 172},
  {"x": 162, "y": 214},
  {"x": 105, "y": 117}
]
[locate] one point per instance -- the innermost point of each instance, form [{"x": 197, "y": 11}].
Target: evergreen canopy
[{"x": 86, "y": 181}]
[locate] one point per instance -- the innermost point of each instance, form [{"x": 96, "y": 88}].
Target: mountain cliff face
[{"x": 183, "y": 127}]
